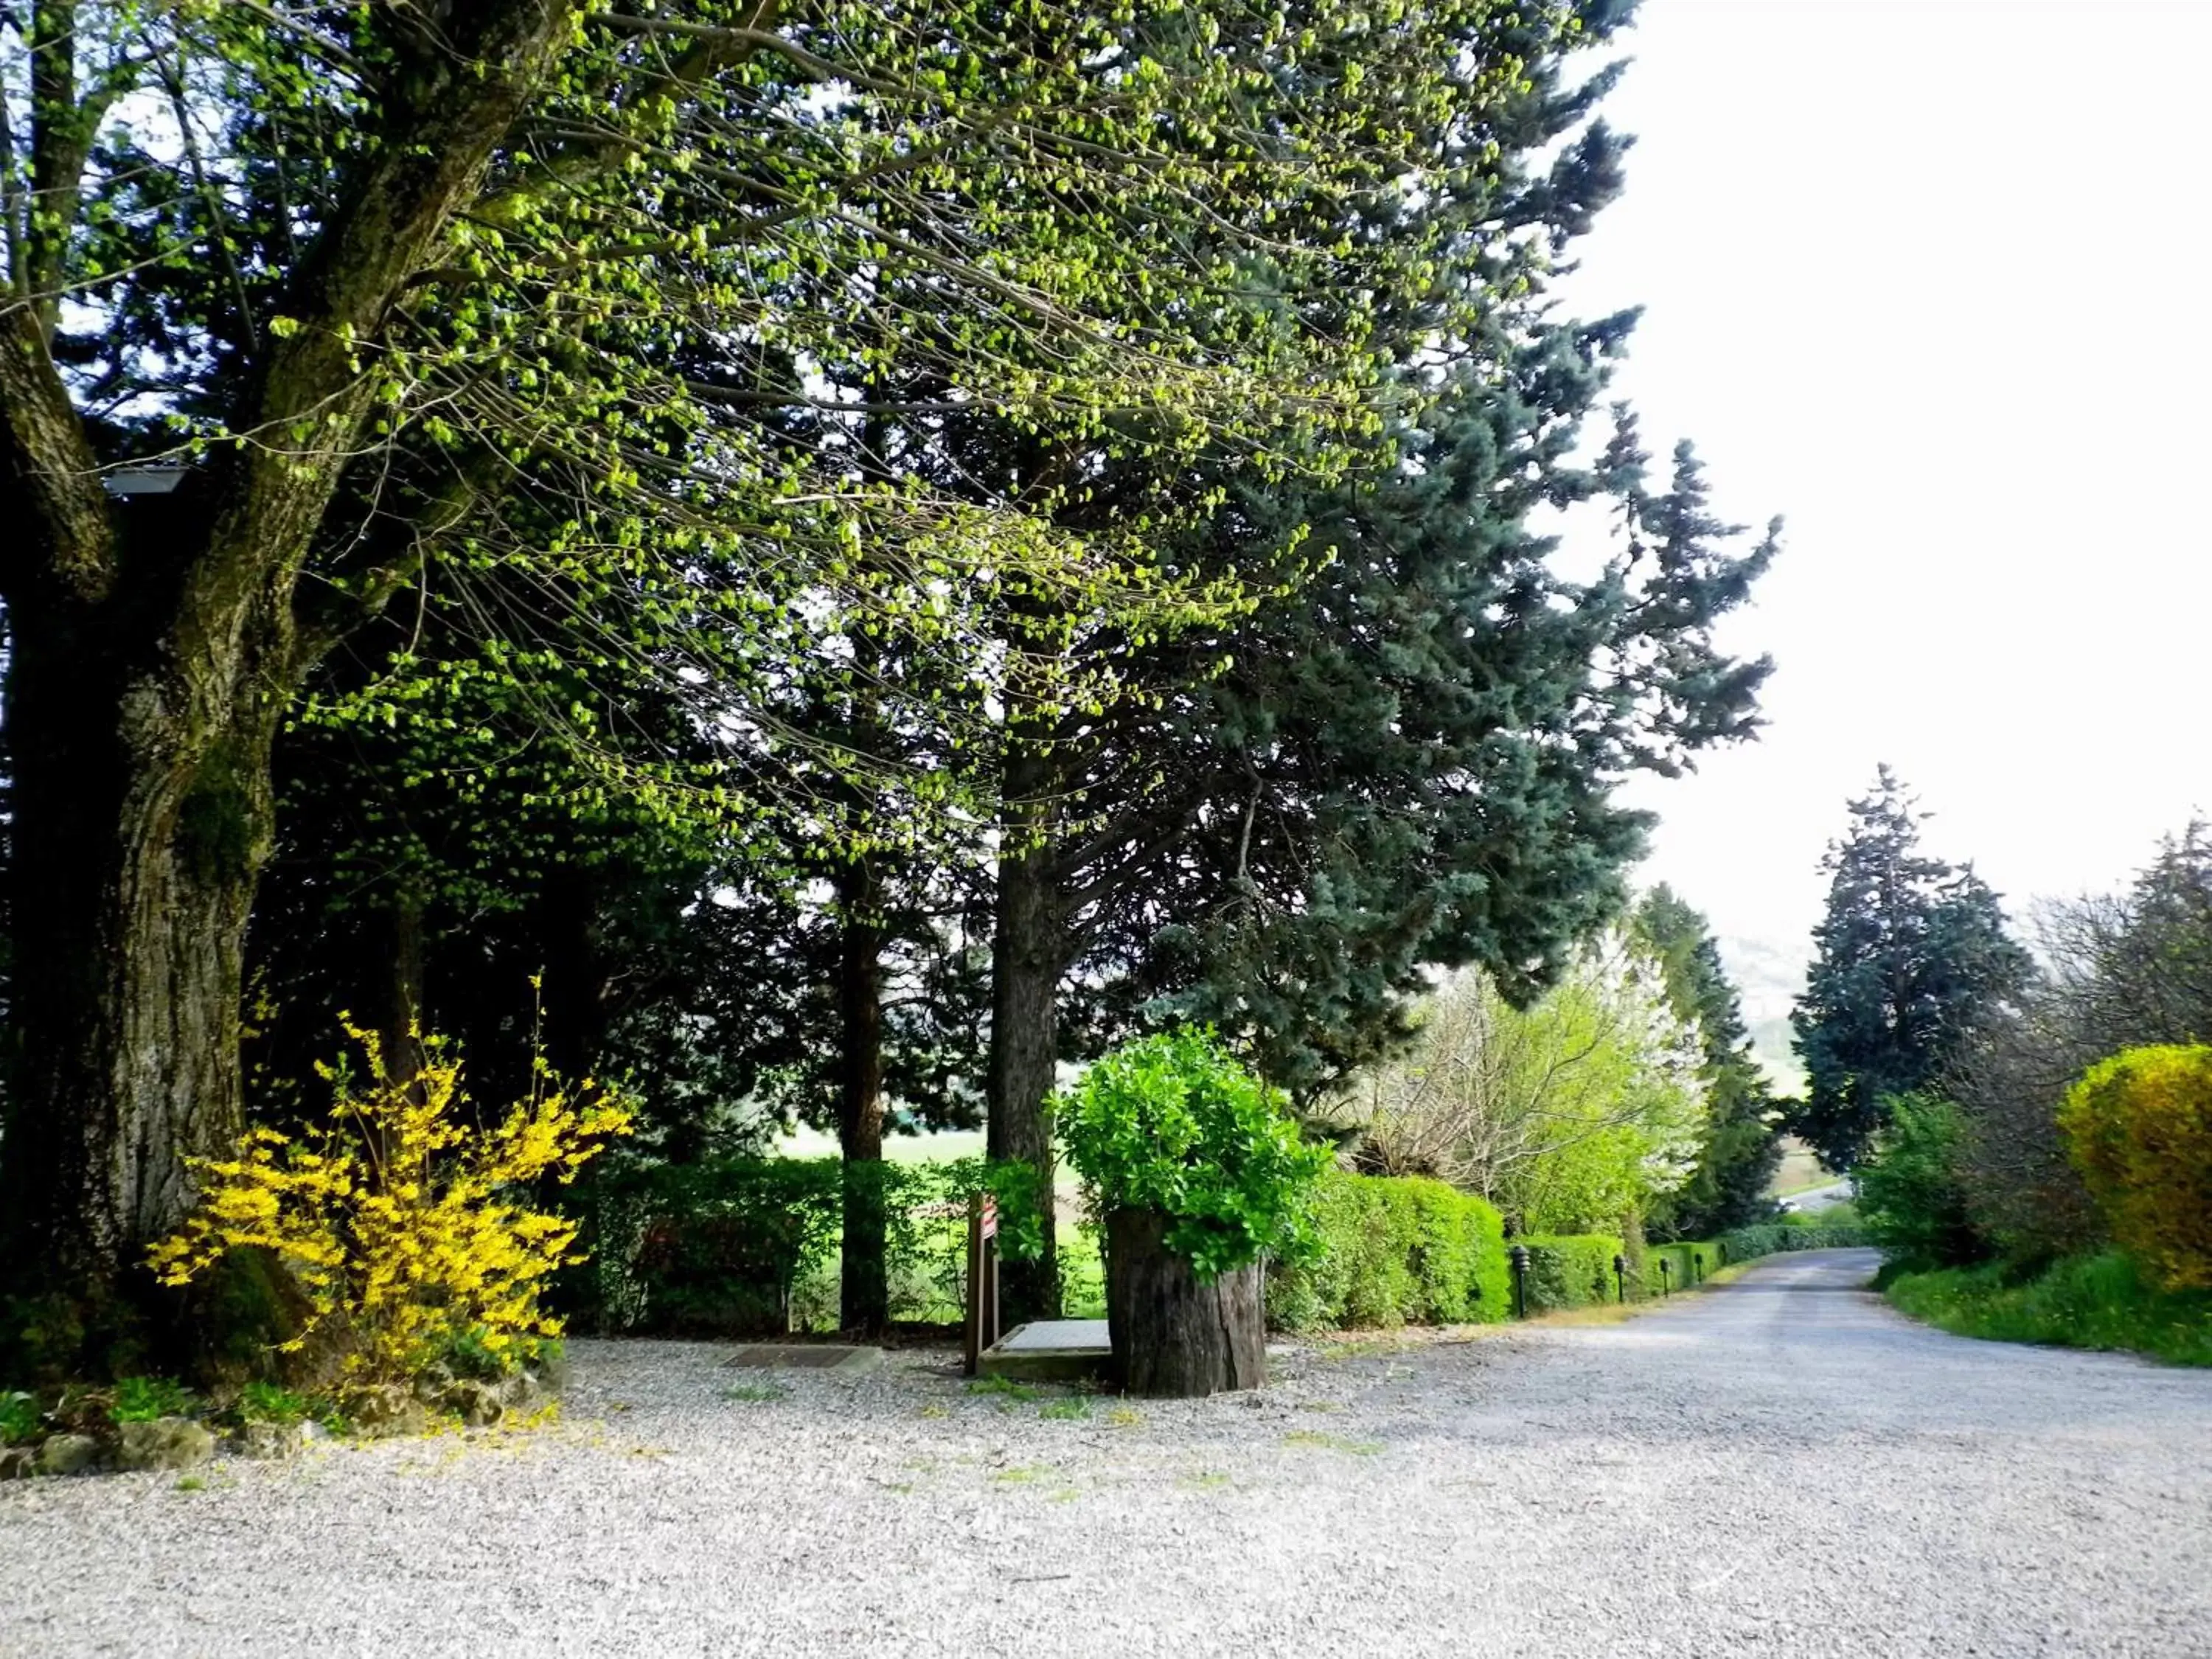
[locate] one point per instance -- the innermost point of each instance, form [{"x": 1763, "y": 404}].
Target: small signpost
[{"x": 982, "y": 1278}]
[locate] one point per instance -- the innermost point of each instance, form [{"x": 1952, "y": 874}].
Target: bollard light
[
  {"x": 1518, "y": 1255},
  {"x": 1620, "y": 1279},
  {"x": 1666, "y": 1276}
]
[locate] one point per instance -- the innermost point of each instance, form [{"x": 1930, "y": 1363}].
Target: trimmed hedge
[
  {"x": 728, "y": 1247},
  {"x": 1570, "y": 1270},
  {"x": 1747, "y": 1243},
  {"x": 1394, "y": 1250}
]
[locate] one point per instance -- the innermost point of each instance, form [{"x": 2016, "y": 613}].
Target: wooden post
[{"x": 983, "y": 1278}]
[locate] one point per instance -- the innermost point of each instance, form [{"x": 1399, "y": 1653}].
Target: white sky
[{"x": 1930, "y": 279}]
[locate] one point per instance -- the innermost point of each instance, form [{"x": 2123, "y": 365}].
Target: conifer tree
[
  {"x": 1742, "y": 1149},
  {"x": 1912, "y": 953}
]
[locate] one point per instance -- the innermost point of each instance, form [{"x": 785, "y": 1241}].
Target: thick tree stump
[{"x": 1174, "y": 1336}]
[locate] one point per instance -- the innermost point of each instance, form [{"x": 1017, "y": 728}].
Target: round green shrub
[{"x": 1174, "y": 1123}]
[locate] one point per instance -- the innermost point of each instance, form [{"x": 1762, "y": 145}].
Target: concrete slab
[
  {"x": 1050, "y": 1351},
  {"x": 806, "y": 1356},
  {"x": 1039, "y": 1334}
]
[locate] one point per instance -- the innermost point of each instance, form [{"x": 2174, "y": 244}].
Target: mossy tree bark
[{"x": 1175, "y": 1335}]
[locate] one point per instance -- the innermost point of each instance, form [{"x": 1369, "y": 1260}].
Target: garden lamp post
[
  {"x": 1518, "y": 1255},
  {"x": 1666, "y": 1276},
  {"x": 1620, "y": 1279}
]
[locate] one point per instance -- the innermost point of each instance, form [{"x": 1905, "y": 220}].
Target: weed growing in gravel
[
  {"x": 1320, "y": 1405},
  {"x": 1004, "y": 1388},
  {"x": 1331, "y": 1442},
  {"x": 191, "y": 1483},
  {"x": 1124, "y": 1416},
  {"x": 1064, "y": 1494},
  {"x": 1023, "y": 1474},
  {"x": 757, "y": 1393},
  {"x": 936, "y": 1408},
  {"x": 1075, "y": 1409},
  {"x": 1203, "y": 1480}
]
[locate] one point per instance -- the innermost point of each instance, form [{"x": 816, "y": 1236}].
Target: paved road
[{"x": 1781, "y": 1467}]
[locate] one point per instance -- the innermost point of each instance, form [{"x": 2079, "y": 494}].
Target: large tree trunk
[
  {"x": 864, "y": 1297},
  {"x": 1175, "y": 1335},
  {"x": 1028, "y": 954},
  {"x": 141, "y": 818},
  {"x": 150, "y": 673}
]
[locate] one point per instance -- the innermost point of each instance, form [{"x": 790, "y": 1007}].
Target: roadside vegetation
[{"x": 2031, "y": 1135}]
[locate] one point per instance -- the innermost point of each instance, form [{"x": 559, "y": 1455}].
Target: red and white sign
[{"x": 990, "y": 1217}]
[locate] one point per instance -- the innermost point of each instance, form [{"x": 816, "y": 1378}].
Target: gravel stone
[{"x": 1780, "y": 1466}]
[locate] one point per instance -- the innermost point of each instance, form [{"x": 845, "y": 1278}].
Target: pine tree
[
  {"x": 1911, "y": 954},
  {"x": 1742, "y": 1149}
]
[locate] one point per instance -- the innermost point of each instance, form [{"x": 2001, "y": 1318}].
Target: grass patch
[
  {"x": 1074, "y": 1409},
  {"x": 2100, "y": 1302},
  {"x": 1317, "y": 1439},
  {"x": 756, "y": 1393},
  {"x": 1004, "y": 1388},
  {"x": 1204, "y": 1480},
  {"x": 1124, "y": 1416},
  {"x": 191, "y": 1483},
  {"x": 1024, "y": 1474}
]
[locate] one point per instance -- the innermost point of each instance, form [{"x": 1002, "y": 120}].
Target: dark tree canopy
[{"x": 1912, "y": 953}]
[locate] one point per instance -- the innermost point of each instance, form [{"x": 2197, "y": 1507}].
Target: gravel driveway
[{"x": 1781, "y": 1467}]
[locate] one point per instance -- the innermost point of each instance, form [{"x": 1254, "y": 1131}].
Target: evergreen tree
[
  {"x": 1742, "y": 1148},
  {"x": 1911, "y": 954},
  {"x": 1411, "y": 762}
]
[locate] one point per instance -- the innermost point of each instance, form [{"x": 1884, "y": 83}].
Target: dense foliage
[
  {"x": 2140, "y": 1127},
  {"x": 1910, "y": 953},
  {"x": 1175, "y": 1124},
  {"x": 1393, "y": 1250},
  {"x": 1573, "y": 1112},
  {"x": 397, "y": 1219},
  {"x": 749, "y": 1246},
  {"x": 1910, "y": 1190},
  {"x": 1742, "y": 1147},
  {"x": 869, "y": 550},
  {"x": 2102, "y": 1300},
  {"x": 1570, "y": 1270}
]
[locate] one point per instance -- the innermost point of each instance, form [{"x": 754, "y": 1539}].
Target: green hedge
[
  {"x": 1395, "y": 1250},
  {"x": 749, "y": 1246},
  {"x": 1570, "y": 1270}
]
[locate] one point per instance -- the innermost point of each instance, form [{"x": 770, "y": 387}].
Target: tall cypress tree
[
  {"x": 1743, "y": 1148},
  {"x": 1911, "y": 952}
]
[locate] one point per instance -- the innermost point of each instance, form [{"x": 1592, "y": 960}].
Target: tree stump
[{"x": 1175, "y": 1336}]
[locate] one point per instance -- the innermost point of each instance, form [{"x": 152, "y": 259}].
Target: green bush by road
[{"x": 2098, "y": 1301}]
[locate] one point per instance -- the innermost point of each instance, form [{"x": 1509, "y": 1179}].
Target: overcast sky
[{"x": 1929, "y": 279}]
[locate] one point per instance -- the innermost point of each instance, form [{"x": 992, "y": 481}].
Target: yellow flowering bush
[
  {"x": 2140, "y": 1127},
  {"x": 403, "y": 1223}
]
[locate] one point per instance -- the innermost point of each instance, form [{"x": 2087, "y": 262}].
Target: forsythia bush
[
  {"x": 2139, "y": 1126},
  {"x": 400, "y": 1219}
]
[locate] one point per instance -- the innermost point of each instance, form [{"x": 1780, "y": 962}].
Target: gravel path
[{"x": 1781, "y": 1467}]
